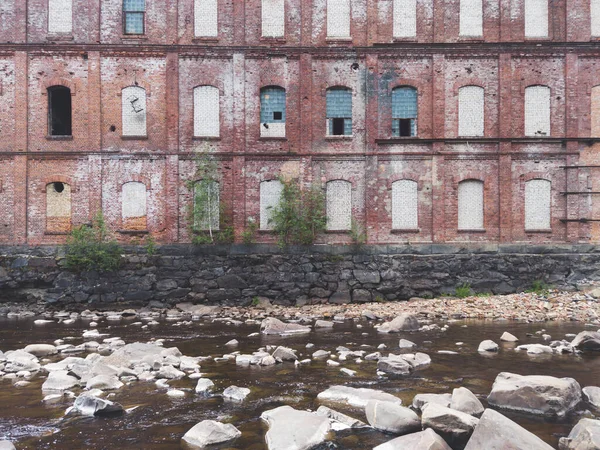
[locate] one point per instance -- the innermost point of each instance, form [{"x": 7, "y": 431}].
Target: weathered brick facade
[{"x": 143, "y": 104}]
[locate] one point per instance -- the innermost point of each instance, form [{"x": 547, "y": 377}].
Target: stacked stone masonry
[{"x": 423, "y": 122}]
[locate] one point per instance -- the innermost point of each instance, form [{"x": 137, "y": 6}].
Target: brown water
[{"x": 159, "y": 422}]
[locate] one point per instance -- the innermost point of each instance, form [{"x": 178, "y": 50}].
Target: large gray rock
[
  {"x": 336, "y": 416},
  {"x": 507, "y": 337},
  {"x": 391, "y": 417},
  {"x": 236, "y": 394},
  {"x": 454, "y": 427},
  {"x": 404, "y": 322},
  {"x": 584, "y": 436},
  {"x": 41, "y": 349},
  {"x": 104, "y": 382},
  {"x": 7, "y": 445},
  {"x": 535, "y": 394},
  {"x": 464, "y": 400},
  {"x": 487, "y": 346},
  {"x": 587, "y": 340},
  {"x": 290, "y": 429},
  {"x": 424, "y": 440},
  {"x": 21, "y": 360},
  {"x": 439, "y": 399},
  {"x": 271, "y": 325},
  {"x": 394, "y": 365},
  {"x": 285, "y": 354},
  {"x": 204, "y": 386},
  {"x": 89, "y": 405},
  {"x": 59, "y": 380},
  {"x": 497, "y": 432},
  {"x": 210, "y": 432},
  {"x": 131, "y": 355},
  {"x": 357, "y": 397},
  {"x": 591, "y": 394}
]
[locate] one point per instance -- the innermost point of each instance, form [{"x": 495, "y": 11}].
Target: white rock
[
  {"x": 237, "y": 394},
  {"x": 404, "y": 343},
  {"x": 41, "y": 349},
  {"x": 348, "y": 372},
  {"x": 175, "y": 393},
  {"x": 290, "y": 429},
  {"x": 487, "y": 346},
  {"x": 210, "y": 432},
  {"x": 357, "y": 397},
  {"x": 59, "y": 380},
  {"x": 332, "y": 363},
  {"x": 204, "y": 386},
  {"x": 391, "y": 417},
  {"x": 507, "y": 337},
  {"x": 104, "y": 382},
  {"x": 232, "y": 343}
]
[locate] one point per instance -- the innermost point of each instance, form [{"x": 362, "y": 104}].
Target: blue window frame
[
  {"x": 272, "y": 105},
  {"x": 339, "y": 111},
  {"x": 134, "y": 15},
  {"x": 404, "y": 111}
]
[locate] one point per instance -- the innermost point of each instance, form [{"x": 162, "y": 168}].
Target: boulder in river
[
  {"x": 323, "y": 324},
  {"x": 584, "y": 436},
  {"x": 405, "y": 343},
  {"x": 235, "y": 393},
  {"x": 204, "y": 386},
  {"x": 497, "y": 432},
  {"x": 391, "y": 417},
  {"x": 404, "y": 322},
  {"x": 454, "y": 427},
  {"x": 507, "y": 337},
  {"x": 210, "y": 432},
  {"x": 284, "y": 354},
  {"x": 89, "y": 405},
  {"x": 104, "y": 382},
  {"x": 21, "y": 360},
  {"x": 7, "y": 445},
  {"x": 535, "y": 394},
  {"x": 290, "y": 429},
  {"x": 59, "y": 380},
  {"x": 394, "y": 365},
  {"x": 439, "y": 399},
  {"x": 337, "y": 417},
  {"x": 41, "y": 349},
  {"x": 487, "y": 346},
  {"x": 464, "y": 400},
  {"x": 271, "y": 325},
  {"x": 423, "y": 440},
  {"x": 591, "y": 394},
  {"x": 357, "y": 397},
  {"x": 587, "y": 341}
]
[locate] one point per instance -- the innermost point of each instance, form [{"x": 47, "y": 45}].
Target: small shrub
[
  {"x": 538, "y": 287},
  {"x": 150, "y": 245},
  {"x": 255, "y": 301},
  {"x": 464, "y": 290},
  {"x": 357, "y": 234},
  {"x": 249, "y": 234}
]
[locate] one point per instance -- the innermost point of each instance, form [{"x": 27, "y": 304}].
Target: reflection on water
[{"x": 159, "y": 422}]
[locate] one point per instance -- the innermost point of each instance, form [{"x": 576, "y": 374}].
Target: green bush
[
  {"x": 150, "y": 245},
  {"x": 249, "y": 234},
  {"x": 538, "y": 287},
  {"x": 464, "y": 290},
  {"x": 91, "y": 248},
  {"x": 357, "y": 234}
]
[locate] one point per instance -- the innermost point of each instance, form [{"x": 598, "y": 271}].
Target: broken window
[
  {"x": 272, "y": 112},
  {"x": 536, "y": 18},
  {"x": 471, "y": 18},
  {"x": 60, "y": 16},
  {"x": 134, "y": 15},
  {"x": 405, "y": 18},
  {"x": 133, "y": 206},
  {"x": 405, "y": 205},
  {"x": 339, "y": 205},
  {"x": 537, "y": 111},
  {"x": 339, "y": 111},
  {"x": 338, "y": 18},
  {"x": 270, "y": 196},
  {"x": 470, "y": 205},
  {"x": 595, "y": 17},
  {"x": 59, "y": 111},
  {"x": 206, "y": 205},
  {"x": 471, "y": 117},
  {"x": 133, "y": 102},
  {"x": 404, "y": 111},
  {"x": 205, "y": 18},
  {"x": 206, "y": 111},
  {"x": 273, "y": 18},
  {"x": 58, "y": 207},
  {"x": 537, "y": 204}
]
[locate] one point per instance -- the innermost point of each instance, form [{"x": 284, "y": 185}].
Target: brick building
[{"x": 423, "y": 120}]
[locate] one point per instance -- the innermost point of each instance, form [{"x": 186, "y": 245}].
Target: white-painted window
[
  {"x": 338, "y": 18},
  {"x": 273, "y": 18},
  {"x": 206, "y": 111},
  {"x": 405, "y": 18},
  {"x": 270, "y": 195},
  {"x": 206, "y": 205},
  {"x": 595, "y": 17},
  {"x": 471, "y": 118},
  {"x": 471, "y": 18},
  {"x": 133, "y": 109},
  {"x": 339, "y": 205},
  {"x": 405, "y": 205},
  {"x": 537, "y": 205},
  {"x": 595, "y": 112},
  {"x": 206, "y": 18},
  {"x": 536, "y": 18},
  {"x": 537, "y": 111},
  {"x": 60, "y": 16},
  {"x": 133, "y": 206},
  {"x": 58, "y": 207},
  {"x": 470, "y": 205}
]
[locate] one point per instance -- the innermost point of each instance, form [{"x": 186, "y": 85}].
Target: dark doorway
[{"x": 59, "y": 111}]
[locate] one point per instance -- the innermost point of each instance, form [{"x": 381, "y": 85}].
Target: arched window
[
  {"x": 133, "y": 206},
  {"x": 537, "y": 111},
  {"x": 595, "y": 17},
  {"x": 206, "y": 205},
  {"x": 133, "y": 107},
  {"x": 537, "y": 204},
  {"x": 471, "y": 18},
  {"x": 270, "y": 195},
  {"x": 595, "y": 112},
  {"x": 405, "y": 205},
  {"x": 338, "y": 18},
  {"x": 273, "y": 18},
  {"x": 60, "y": 16},
  {"x": 206, "y": 18},
  {"x": 404, "y": 111},
  {"x": 339, "y": 205},
  {"x": 536, "y": 18},
  {"x": 471, "y": 114},
  {"x": 339, "y": 111},
  {"x": 59, "y": 111},
  {"x": 134, "y": 16},
  {"x": 272, "y": 111},
  {"x": 206, "y": 111},
  {"x": 58, "y": 207},
  {"x": 405, "y": 18},
  {"x": 470, "y": 205}
]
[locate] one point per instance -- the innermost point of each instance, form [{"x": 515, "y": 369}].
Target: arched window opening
[
  {"x": 207, "y": 111},
  {"x": 133, "y": 206},
  {"x": 537, "y": 111},
  {"x": 272, "y": 111},
  {"x": 339, "y": 205},
  {"x": 470, "y": 205},
  {"x": 58, "y": 207},
  {"x": 339, "y": 111},
  {"x": 405, "y": 205},
  {"x": 404, "y": 111},
  {"x": 537, "y": 204},
  {"x": 133, "y": 108},
  {"x": 59, "y": 111},
  {"x": 471, "y": 120},
  {"x": 270, "y": 196}
]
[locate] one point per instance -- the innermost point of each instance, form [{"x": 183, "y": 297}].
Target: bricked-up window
[
  {"x": 404, "y": 111},
  {"x": 206, "y": 18},
  {"x": 405, "y": 18},
  {"x": 470, "y": 111},
  {"x": 537, "y": 111},
  {"x": 471, "y": 18},
  {"x": 339, "y": 205},
  {"x": 206, "y": 111},
  {"x": 339, "y": 111},
  {"x": 536, "y": 18},
  {"x": 60, "y": 16},
  {"x": 59, "y": 111},
  {"x": 537, "y": 204},
  {"x": 338, "y": 18},
  {"x": 206, "y": 203},
  {"x": 272, "y": 112},
  {"x": 595, "y": 17},
  {"x": 133, "y": 206},
  {"x": 134, "y": 15},
  {"x": 133, "y": 110},
  {"x": 270, "y": 195},
  {"x": 405, "y": 205},
  {"x": 470, "y": 205},
  {"x": 273, "y": 18},
  {"x": 58, "y": 207},
  {"x": 595, "y": 113}
]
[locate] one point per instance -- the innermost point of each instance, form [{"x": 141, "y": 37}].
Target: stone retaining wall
[{"x": 234, "y": 275}]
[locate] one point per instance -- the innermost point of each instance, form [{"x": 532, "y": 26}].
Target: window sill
[
  {"x": 408, "y": 230},
  {"x": 59, "y": 138},
  {"x": 477, "y": 230},
  {"x": 205, "y": 39},
  {"x": 206, "y": 138},
  {"x": 60, "y": 37},
  {"x": 345, "y": 39},
  {"x": 543, "y": 230},
  {"x": 273, "y": 39},
  {"x": 405, "y": 39},
  {"x": 344, "y": 137},
  {"x": 272, "y": 138},
  {"x": 56, "y": 233},
  {"x": 401, "y": 138},
  {"x": 133, "y": 232},
  {"x": 471, "y": 39},
  {"x": 135, "y": 138},
  {"x": 134, "y": 38},
  {"x": 537, "y": 38}
]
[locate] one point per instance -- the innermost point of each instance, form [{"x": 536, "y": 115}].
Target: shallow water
[{"x": 159, "y": 422}]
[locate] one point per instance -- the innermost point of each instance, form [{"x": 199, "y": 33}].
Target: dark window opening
[
  {"x": 277, "y": 115},
  {"x": 59, "y": 111},
  {"x": 59, "y": 187},
  {"x": 337, "y": 127},
  {"x": 405, "y": 127}
]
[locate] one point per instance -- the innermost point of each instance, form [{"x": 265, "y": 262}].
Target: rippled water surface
[{"x": 159, "y": 422}]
